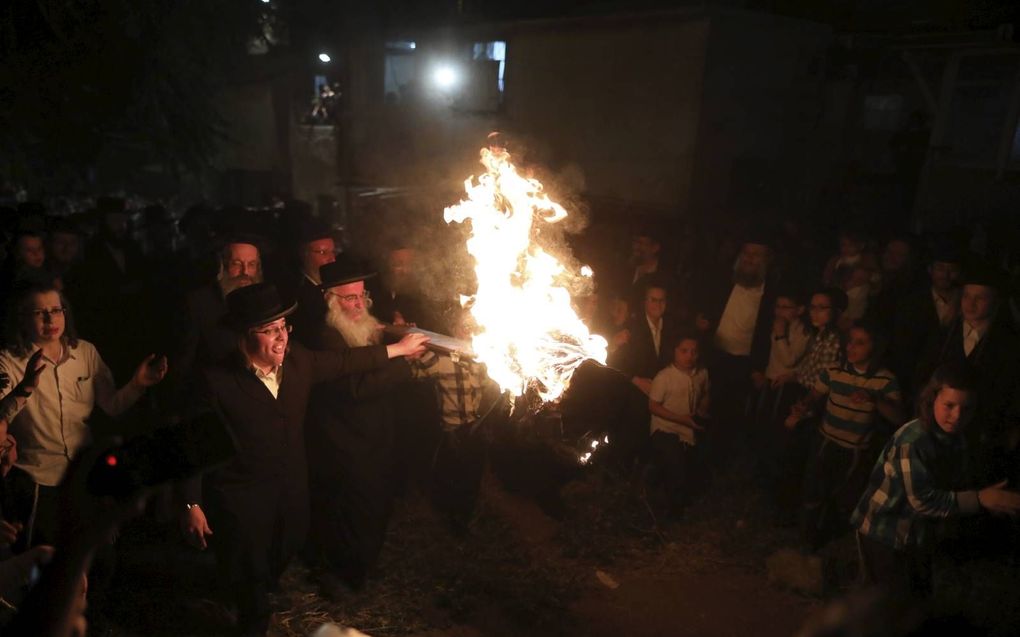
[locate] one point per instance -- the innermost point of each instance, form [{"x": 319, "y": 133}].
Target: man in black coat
[
  {"x": 735, "y": 314},
  {"x": 316, "y": 248},
  {"x": 982, "y": 338},
  {"x": 648, "y": 340},
  {"x": 350, "y": 437},
  {"x": 257, "y": 503}
]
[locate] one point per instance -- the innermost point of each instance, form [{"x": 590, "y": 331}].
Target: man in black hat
[
  {"x": 982, "y": 337},
  {"x": 205, "y": 339},
  {"x": 735, "y": 315},
  {"x": 350, "y": 437},
  {"x": 257, "y": 503},
  {"x": 926, "y": 314},
  {"x": 316, "y": 248}
]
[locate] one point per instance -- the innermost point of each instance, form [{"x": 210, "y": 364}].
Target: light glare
[
  {"x": 324, "y": 58},
  {"x": 445, "y": 77}
]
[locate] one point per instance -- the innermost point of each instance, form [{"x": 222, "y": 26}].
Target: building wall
[{"x": 761, "y": 132}]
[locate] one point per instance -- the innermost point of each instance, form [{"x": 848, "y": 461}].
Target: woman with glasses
[{"x": 56, "y": 380}]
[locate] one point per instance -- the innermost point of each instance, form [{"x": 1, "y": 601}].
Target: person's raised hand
[
  {"x": 621, "y": 338},
  {"x": 997, "y": 498},
  {"x": 150, "y": 371},
  {"x": 195, "y": 527},
  {"x": 33, "y": 370}
]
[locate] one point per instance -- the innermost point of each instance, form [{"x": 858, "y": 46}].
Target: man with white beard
[{"x": 349, "y": 438}]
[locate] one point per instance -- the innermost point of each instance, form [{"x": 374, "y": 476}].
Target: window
[
  {"x": 399, "y": 69},
  {"x": 495, "y": 51}
]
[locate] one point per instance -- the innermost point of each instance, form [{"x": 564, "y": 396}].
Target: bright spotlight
[
  {"x": 445, "y": 77},
  {"x": 265, "y": 1},
  {"x": 324, "y": 58}
]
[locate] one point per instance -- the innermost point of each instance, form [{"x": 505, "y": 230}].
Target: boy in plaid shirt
[{"x": 918, "y": 480}]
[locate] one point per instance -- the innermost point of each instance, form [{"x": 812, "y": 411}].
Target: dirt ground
[{"x": 598, "y": 564}]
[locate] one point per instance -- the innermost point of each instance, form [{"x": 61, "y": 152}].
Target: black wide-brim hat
[
  {"x": 255, "y": 305},
  {"x": 343, "y": 270}
]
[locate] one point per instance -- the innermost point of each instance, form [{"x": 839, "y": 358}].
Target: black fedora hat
[
  {"x": 343, "y": 270},
  {"x": 255, "y": 305}
]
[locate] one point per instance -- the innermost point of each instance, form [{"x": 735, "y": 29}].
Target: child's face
[
  {"x": 952, "y": 409},
  {"x": 787, "y": 309},
  {"x": 859, "y": 347},
  {"x": 685, "y": 356},
  {"x": 821, "y": 311}
]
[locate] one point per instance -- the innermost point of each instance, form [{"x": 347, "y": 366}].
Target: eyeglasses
[
  {"x": 45, "y": 314},
  {"x": 351, "y": 298},
  {"x": 322, "y": 252},
  {"x": 273, "y": 332}
]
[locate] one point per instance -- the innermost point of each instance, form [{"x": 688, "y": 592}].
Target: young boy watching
[{"x": 678, "y": 400}]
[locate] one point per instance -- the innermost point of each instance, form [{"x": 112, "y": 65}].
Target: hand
[
  {"x": 196, "y": 528},
  {"x": 702, "y": 323},
  {"x": 33, "y": 370},
  {"x": 860, "y": 396},
  {"x": 151, "y": 371},
  {"x": 998, "y": 499},
  {"x": 644, "y": 384},
  {"x": 796, "y": 415},
  {"x": 8, "y": 454},
  {"x": 9, "y": 532},
  {"x": 779, "y": 381},
  {"x": 621, "y": 338},
  {"x": 16, "y": 571},
  {"x": 758, "y": 379},
  {"x": 779, "y": 326},
  {"x": 412, "y": 344}
]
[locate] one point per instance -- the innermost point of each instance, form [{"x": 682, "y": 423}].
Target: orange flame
[{"x": 529, "y": 335}]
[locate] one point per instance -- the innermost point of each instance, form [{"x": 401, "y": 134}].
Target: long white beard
[{"x": 356, "y": 332}]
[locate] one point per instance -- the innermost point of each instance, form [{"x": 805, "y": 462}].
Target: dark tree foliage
[{"x": 84, "y": 81}]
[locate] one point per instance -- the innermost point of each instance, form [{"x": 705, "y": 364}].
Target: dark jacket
[
  {"x": 269, "y": 432},
  {"x": 916, "y": 325},
  {"x": 638, "y": 357},
  {"x": 711, "y": 302},
  {"x": 310, "y": 315}
]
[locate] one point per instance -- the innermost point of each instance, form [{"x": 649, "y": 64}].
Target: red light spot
[{"x": 111, "y": 461}]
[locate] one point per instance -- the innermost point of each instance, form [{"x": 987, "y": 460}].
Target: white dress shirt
[
  {"x": 270, "y": 379},
  {"x": 51, "y": 424},
  {"x": 656, "y": 329},
  {"x": 736, "y": 325},
  {"x": 971, "y": 337}
]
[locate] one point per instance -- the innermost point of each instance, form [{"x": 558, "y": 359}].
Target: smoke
[{"x": 431, "y": 182}]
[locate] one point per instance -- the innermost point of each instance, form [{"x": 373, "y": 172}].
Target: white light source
[
  {"x": 445, "y": 77},
  {"x": 324, "y": 58},
  {"x": 265, "y": 1}
]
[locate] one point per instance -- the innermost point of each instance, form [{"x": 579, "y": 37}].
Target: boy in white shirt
[{"x": 678, "y": 400}]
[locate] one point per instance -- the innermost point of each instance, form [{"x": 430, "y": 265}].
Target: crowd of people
[
  {"x": 759, "y": 346},
  {"x": 875, "y": 389}
]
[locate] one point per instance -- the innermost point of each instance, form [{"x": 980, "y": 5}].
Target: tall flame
[{"x": 529, "y": 335}]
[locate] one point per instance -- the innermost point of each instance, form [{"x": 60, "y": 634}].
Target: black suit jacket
[
  {"x": 915, "y": 326},
  {"x": 269, "y": 432},
  {"x": 310, "y": 315},
  {"x": 711, "y": 302},
  {"x": 638, "y": 357}
]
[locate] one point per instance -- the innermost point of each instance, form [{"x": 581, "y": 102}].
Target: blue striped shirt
[{"x": 847, "y": 422}]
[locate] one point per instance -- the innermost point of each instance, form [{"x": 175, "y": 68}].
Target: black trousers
[
  {"x": 834, "y": 479},
  {"x": 902, "y": 573},
  {"x": 731, "y": 386},
  {"x": 255, "y": 534},
  {"x": 457, "y": 473},
  {"x": 35, "y": 506},
  {"x": 671, "y": 463}
]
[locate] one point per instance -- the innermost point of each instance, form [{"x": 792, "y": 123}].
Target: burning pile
[{"x": 528, "y": 334}]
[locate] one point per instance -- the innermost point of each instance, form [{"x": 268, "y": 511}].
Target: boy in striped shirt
[{"x": 856, "y": 393}]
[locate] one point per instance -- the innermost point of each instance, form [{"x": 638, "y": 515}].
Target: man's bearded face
[
  {"x": 752, "y": 265},
  {"x": 348, "y": 314},
  {"x": 241, "y": 266},
  {"x": 400, "y": 270}
]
